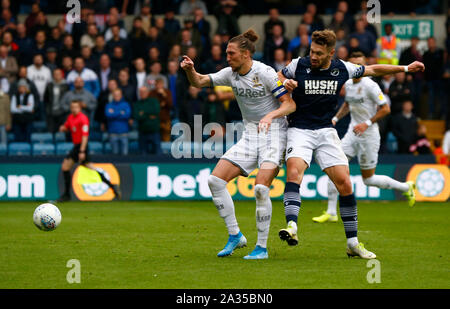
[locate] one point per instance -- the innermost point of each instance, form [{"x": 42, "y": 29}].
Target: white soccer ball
[{"x": 47, "y": 217}]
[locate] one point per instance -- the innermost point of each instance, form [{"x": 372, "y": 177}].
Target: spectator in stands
[
  {"x": 8, "y": 41},
  {"x": 155, "y": 73},
  {"x": 348, "y": 17},
  {"x": 178, "y": 87},
  {"x": 146, "y": 113},
  {"x": 338, "y": 23},
  {"x": 188, "y": 7},
  {"x": 105, "y": 98},
  {"x": 153, "y": 55},
  {"x": 274, "y": 19},
  {"x": 441, "y": 157},
  {"x": 113, "y": 22},
  {"x": 128, "y": 89},
  {"x": 433, "y": 59},
  {"x": 171, "y": 24},
  {"x": 186, "y": 40},
  {"x": 100, "y": 47},
  {"x": 80, "y": 93},
  {"x": 175, "y": 53},
  {"x": 118, "y": 59},
  {"x": 302, "y": 30},
  {"x": 446, "y": 141},
  {"x": 22, "y": 110},
  {"x": 68, "y": 48},
  {"x": 404, "y": 126},
  {"x": 90, "y": 79},
  {"x": 138, "y": 38},
  {"x": 41, "y": 24},
  {"x": 51, "y": 59},
  {"x": 276, "y": 40},
  {"x": 421, "y": 144},
  {"x": 165, "y": 35},
  {"x": 25, "y": 44},
  {"x": 8, "y": 69},
  {"x": 139, "y": 75},
  {"x": 40, "y": 75},
  {"x": 227, "y": 13},
  {"x": 22, "y": 74},
  {"x": 7, "y": 20},
  {"x": 5, "y": 117},
  {"x": 147, "y": 17},
  {"x": 164, "y": 97},
  {"x": 40, "y": 43},
  {"x": 88, "y": 39},
  {"x": 279, "y": 60},
  {"x": 301, "y": 50},
  {"x": 204, "y": 28},
  {"x": 317, "y": 23},
  {"x": 399, "y": 91},
  {"x": 117, "y": 113},
  {"x": 105, "y": 72},
  {"x": 89, "y": 60},
  {"x": 410, "y": 55},
  {"x": 214, "y": 63},
  {"x": 30, "y": 21},
  {"x": 54, "y": 91},
  {"x": 367, "y": 41},
  {"x": 117, "y": 40},
  {"x": 196, "y": 102}
]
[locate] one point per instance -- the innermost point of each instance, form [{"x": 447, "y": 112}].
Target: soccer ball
[{"x": 47, "y": 217}]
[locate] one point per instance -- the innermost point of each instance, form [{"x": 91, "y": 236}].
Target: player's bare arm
[
  {"x": 287, "y": 107},
  {"x": 342, "y": 112},
  {"x": 382, "y": 112},
  {"x": 195, "y": 79},
  {"x": 384, "y": 69},
  {"x": 289, "y": 84},
  {"x": 82, "y": 154}
]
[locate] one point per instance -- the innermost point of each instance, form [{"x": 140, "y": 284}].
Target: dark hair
[
  {"x": 246, "y": 40},
  {"x": 325, "y": 37},
  {"x": 356, "y": 54}
]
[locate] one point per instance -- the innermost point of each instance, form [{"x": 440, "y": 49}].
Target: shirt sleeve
[
  {"x": 289, "y": 70},
  {"x": 354, "y": 70},
  {"x": 85, "y": 127},
  {"x": 273, "y": 83},
  {"x": 376, "y": 95},
  {"x": 221, "y": 78}
]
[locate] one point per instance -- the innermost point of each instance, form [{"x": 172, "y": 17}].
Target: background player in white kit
[
  {"x": 362, "y": 98},
  {"x": 258, "y": 92}
]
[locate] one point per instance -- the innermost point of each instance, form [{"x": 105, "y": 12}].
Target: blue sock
[
  {"x": 292, "y": 201},
  {"x": 349, "y": 214}
]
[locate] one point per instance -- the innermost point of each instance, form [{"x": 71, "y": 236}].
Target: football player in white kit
[
  {"x": 258, "y": 92},
  {"x": 363, "y": 97}
]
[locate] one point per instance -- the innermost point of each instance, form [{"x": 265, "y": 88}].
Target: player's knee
[
  {"x": 216, "y": 184},
  {"x": 292, "y": 175},
  {"x": 344, "y": 185},
  {"x": 261, "y": 192}
]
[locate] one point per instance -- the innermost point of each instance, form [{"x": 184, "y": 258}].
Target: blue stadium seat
[
  {"x": 59, "y": 137},
  {"x": 19, "y": 149},
  {"x": 133, "y": 147},
  {"x": 3, "y": 149},
  {"x": 133, "y": 136},
  {"x": 105, "y": 137},
  {"x": 39, "y": 126},
  {"x": 43, "y": 149},
  {"x": 165, "y": 147},
  {"x": 41, "y": 138},
  {"x": 107, "y": 148},
  {"x": 95, "y": 148},
  {"x": 391, "y": 143},
  {"x": 63, "y": 148},
  {"x": 95, "y": 136}
]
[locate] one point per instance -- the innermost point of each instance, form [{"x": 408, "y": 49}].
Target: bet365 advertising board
[{"x": 189, "y": 181}]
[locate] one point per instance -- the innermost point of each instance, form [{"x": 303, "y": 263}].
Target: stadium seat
[
  {"x": 63, "y": 148},
  {"x": 105, "y": 137},
  {"x": 3, "y": 149},
  {"x": 133, "y": 147},
  {"x": 133, "y": 136},
  {"x": 95, "y": 136},
  {"x": 59, "y": 137},
  {"x": 391, "y": 143},
  {"x": 19, "y": 149},
  {"x": 107, "y": 148},
  {"x": 165, "y": 147},
  {"x": 43, "y": 149},
  {"x": 41, "y": 138},
  {"x": 39, "y": 126},
  {"x": 11, "y": 137},
  {"x": 95, "y": 148}
]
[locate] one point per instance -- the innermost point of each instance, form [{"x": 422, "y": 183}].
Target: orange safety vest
[{"x": 388, "y": 42}]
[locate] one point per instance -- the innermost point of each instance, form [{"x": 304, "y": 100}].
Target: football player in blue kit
[{"x": 315, "y": 82}]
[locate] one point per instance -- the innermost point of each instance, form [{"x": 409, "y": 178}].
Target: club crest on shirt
[
  {"x": 308, "y": 70},
  {"x": 334, "y": 72},
  {"x": 256, "y": 82}
]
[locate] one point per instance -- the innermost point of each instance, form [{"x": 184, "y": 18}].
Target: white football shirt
[{"x": 256, "y": 92}]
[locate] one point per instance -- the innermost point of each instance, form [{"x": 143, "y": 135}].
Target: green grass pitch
[{"x": 162, "y": 244}]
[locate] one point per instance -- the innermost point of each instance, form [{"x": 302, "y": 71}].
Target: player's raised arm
[
  {"x": 384, "y": 69},
  {"x": 287, "y": 107},
  {"x": 195, "y": 79}
]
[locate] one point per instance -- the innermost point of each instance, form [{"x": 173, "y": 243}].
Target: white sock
[
  {"x": 224, "y": 203},
  {"x": 263, "y": 214},
  {"x": 385, "y": 182},
  {"x": 332, "y": 198},
  {"x": 352, "y": 242}
]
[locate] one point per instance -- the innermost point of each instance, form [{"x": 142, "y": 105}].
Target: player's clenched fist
[
  {"x": 187, "y": 63},
  {"x": 290, "y": 84},
  {"x": 416, "y": 66}
]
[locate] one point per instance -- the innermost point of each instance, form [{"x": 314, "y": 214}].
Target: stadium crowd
[{"x": 129, "y": 79}]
